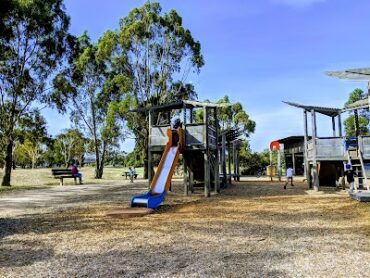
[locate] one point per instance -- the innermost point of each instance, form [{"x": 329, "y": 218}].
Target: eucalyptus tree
[
  {"x": 233, "y": 115},
  {"x": 71, "y": 144},
  {"x": 31, "y": 135},
  {"x": 33, "y": 40},
  {"x": 92, "y": 89},
  {"x": 160, "y": 54}
]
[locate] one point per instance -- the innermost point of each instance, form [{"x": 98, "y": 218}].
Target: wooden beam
[
  {"x": 333, "y": 125},
  {"x": 314, "y": 161},
  {"x": 357, "y": 125},
  {"x": 223, "y": 157},
  {"x": 150, "y": 165},
  {"x": 207, "y": 178},
  {"x": 186, "y": 176},
  {"x": 238, "y": 164},
  {"x": 293, "y": 159},
  {"x": 217, "y": 160},
  {"x": 234, "y": 161},
  {"x": 279, "y": 165},
  {"x": 340, "y": 131},
  {"x": 229, "y": 161},
  {"x": 191, "y": 178}
]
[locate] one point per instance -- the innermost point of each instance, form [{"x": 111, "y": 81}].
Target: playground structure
[
  {"x": 206, "y": 152},
  {"x": 324, "y": 157}
]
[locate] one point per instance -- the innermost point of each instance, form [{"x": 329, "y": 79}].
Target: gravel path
[
  {"x": 253, "y": 229},
  {"x": 21, "y": 202}
]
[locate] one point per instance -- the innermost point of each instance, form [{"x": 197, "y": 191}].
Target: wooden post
[
  {"x": 234, "y": 161},
  {"x": 186, "y": 176},
  {"x": 314, "y": 161},
  {"x": 207, "y": 178},
  {"x": 229, "y": 161},
  {"x": 307, "y": 173},
  {"x": 150, "y": 166},
  {"x": 357, "y": 125},
  {"x": 293, "y": 159},
  {"x": 184, "y": 159},
  {"x": 340, "y": 125},
  {"x": 237, "y": 162},
  {"x": 191, "y": 115},
  {"x": 217, "y": 162},
  {"x": 271, "y": 165},
  {"x": 279, "y": 165},
  {"x": 333, "y": 125},
  {"x": 223, "y": 158},
  {"x": 191, "y": 179}
]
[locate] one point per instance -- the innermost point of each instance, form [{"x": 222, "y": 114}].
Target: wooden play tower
[{"x": 206, "y": 150}]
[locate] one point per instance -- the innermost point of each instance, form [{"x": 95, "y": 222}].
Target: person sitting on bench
[
  {"x": 133, "y": 174},
  {"x": 75, "y": 172}
]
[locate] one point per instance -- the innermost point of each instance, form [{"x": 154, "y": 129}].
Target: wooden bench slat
[{"x": 62, "y": 173}]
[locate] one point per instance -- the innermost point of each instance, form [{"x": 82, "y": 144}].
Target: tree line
[{"x": 146, "y": 61}]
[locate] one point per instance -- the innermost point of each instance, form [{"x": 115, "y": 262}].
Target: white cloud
[{"x": 298, "y": 3}]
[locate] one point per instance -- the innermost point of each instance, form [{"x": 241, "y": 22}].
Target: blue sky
[{"x": 258, "y": 53}]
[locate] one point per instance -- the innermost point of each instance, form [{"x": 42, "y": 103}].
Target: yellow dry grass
[
  {"x": 250, "y": 230},
  {"x": 42, "y": 178}
]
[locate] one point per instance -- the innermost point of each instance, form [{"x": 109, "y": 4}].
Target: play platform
[{"x": 361, "y": 196}]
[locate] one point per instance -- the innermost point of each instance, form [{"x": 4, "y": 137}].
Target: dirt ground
[{"x": 253, "y": 229}]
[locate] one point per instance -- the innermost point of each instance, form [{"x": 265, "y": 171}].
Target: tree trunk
[
  {"x": 8, "y": 163},
  {"x": 146, "y": 157},
  {"x": 99, "y": 168},
  {"x": 98, "y": 173}
]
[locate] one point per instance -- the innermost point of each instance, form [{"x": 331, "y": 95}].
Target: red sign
[{"x": 274, "y": 146}]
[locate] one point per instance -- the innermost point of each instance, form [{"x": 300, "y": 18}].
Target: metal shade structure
[
  {"x": 360, "y": 104},
  {"x": 362, "y": 74},
  {"x": 327, "y": 111}
]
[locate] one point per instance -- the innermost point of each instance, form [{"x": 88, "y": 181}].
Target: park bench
[
  {"x": 127, "y": 174},
  {"x": 62, "y": 174}
]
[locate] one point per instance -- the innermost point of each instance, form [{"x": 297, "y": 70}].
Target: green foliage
[
  {"x": 134, "y": 158},
  {"x": 251, "y": 162},
  {"x": 363, "y": 115},
  {"x": 159, "y": 53},
  {"x": 70, "y": 145},
  {"x": 93, "y": 88},
  {"x": 234, "y": 116},
  {"x": 33, "y": 40},
  {"x": 115, "y": 158},
  {"x": 31, "y": 136}
]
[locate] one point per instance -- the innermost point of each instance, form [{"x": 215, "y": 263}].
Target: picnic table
[{"x": 127, "y": 174}]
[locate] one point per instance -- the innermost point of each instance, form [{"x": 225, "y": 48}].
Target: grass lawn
[{"x": 42, "y": 178}]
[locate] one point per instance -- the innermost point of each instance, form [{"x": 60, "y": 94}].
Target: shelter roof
[
  {"x": 360, "y": 104},
  {"x": 179, "y": 105},
  {"x": 232, "y": 134},
  {"x": 351, "y": 74},
  {"x": 328, "y": 111}
]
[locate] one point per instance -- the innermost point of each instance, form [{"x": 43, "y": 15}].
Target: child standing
[{"x": 349, "y": 173}]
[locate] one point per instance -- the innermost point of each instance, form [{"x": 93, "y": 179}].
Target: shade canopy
[
  {"x": 179, "y": 105},
  {"x": 360, "y": 104},
  {"x": 351, "y": 74},
  {"x": 328, "y": 111}
]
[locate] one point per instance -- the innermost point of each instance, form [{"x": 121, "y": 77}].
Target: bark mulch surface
[{"x": 252, "y": 229}]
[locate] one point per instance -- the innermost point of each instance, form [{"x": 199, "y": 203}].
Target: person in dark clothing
[
  {"x": 75, "y": 173},
  {"x": 350, "y": 175}
]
